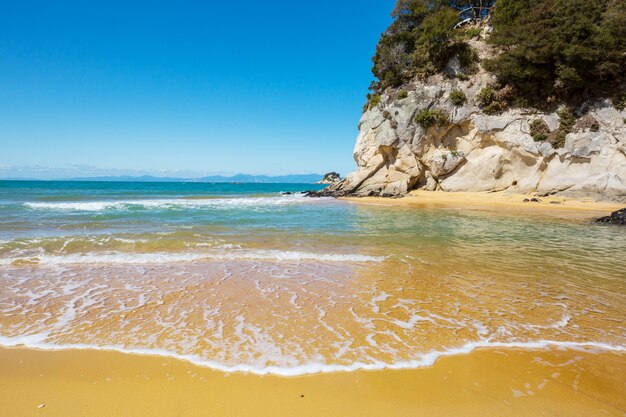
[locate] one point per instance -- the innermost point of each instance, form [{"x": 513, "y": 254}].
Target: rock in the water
[
  {"x": 617, "y": 217},
  {"x": 326, "y": 192},
  {"x": 330, "y": 178}
]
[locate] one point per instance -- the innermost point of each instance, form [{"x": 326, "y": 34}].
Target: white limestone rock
[{"x": 444, "y": 162}]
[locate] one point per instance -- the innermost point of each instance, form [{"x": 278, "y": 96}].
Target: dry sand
[
  {"x": 585, "y": 208},
  {"x": 505, "y": 382}
]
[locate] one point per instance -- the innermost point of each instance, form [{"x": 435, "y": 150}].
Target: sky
[{"x": 184, "y": 87}]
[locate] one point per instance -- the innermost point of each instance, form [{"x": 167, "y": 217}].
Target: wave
[
  {"x": 178, "y": 203},
  {"x": 421, "y": 361},
  {"x": 164, "y": 257}
]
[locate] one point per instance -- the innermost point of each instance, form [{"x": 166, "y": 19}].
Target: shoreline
[
  {"x": 502, "y": 201},
  {"x": 486, "y": 382},
  {"x": 426, "y": 360}
]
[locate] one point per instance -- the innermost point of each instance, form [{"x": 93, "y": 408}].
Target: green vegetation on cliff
[
  {"x": 560, "y": 49},
  {"x": 546, "y": 51},
  {"x": 421, "y": 40}
]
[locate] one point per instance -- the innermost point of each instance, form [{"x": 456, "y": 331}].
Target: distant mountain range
[{"x": 239, "y": 178}]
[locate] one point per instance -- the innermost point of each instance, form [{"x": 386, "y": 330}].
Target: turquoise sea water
[
  {"x": 289, "y": 284},
  {"x": 45, "y": 209},
  {"x": 56, "y": 218}
]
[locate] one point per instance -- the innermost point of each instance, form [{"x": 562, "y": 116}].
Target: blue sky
[{"x": 189, "y": 87}]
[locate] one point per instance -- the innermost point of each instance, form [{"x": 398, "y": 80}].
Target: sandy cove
[
  {"x": 584, "y": 208},
  {"x": 487, "y": 382}
]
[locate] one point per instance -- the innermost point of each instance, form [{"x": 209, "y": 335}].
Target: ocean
[{"x": 259, "y": 278}]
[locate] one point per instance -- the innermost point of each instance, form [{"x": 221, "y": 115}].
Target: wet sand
[
  {"x": 583, "y": 208},
  {"x": 487, "y": 382}
]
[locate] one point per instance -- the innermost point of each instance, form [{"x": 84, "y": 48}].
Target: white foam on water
[
  {"x": 563, "y": 322},
  {"x": 164, "y": 257},
  {"x": 36, "y": 341},
  {"x": 175, "y": 203},
  {"x": 62, "y": 242}
]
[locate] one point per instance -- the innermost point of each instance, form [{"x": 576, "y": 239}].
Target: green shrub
[
  {"x": 432, "y": 117},
  {"x": 559, "y": 140},
  {"x": 566, "y": 117},
  {"x": 485, "y": 97},
  {"x": 457, "y": 97},
  {"x": 492, "y": 108},
  {"x": 373, "y": 100},
  {"x": 471, "y": 33},
  {"x": 521, "y": 102},
  {"x": 567, "y": 121},
  {"x": 402, "y": 94},
  {"x": 492, "y": 101},
  {"x": 539, "y": 130},
  {"x": 620, "y": 102}
]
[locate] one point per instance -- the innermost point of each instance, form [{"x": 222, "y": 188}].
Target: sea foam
[
  {"x": 420, "y": 361},
  {"x": 177, "y": 203},
  {"x": 165, "y": 257}
]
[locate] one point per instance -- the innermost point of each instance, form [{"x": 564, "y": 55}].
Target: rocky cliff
[{"x": 475, "y": 151}]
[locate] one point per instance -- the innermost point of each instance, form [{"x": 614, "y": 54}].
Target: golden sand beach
[
  {"x": 501, "y": 201},
  {"x": 488, "y": 382}
]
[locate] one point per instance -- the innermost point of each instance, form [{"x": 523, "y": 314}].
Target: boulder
[
  {"x": 617, "y": 217},
  {"x": 441, "y": 162},
  {"x": 330, "y": 178}
]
